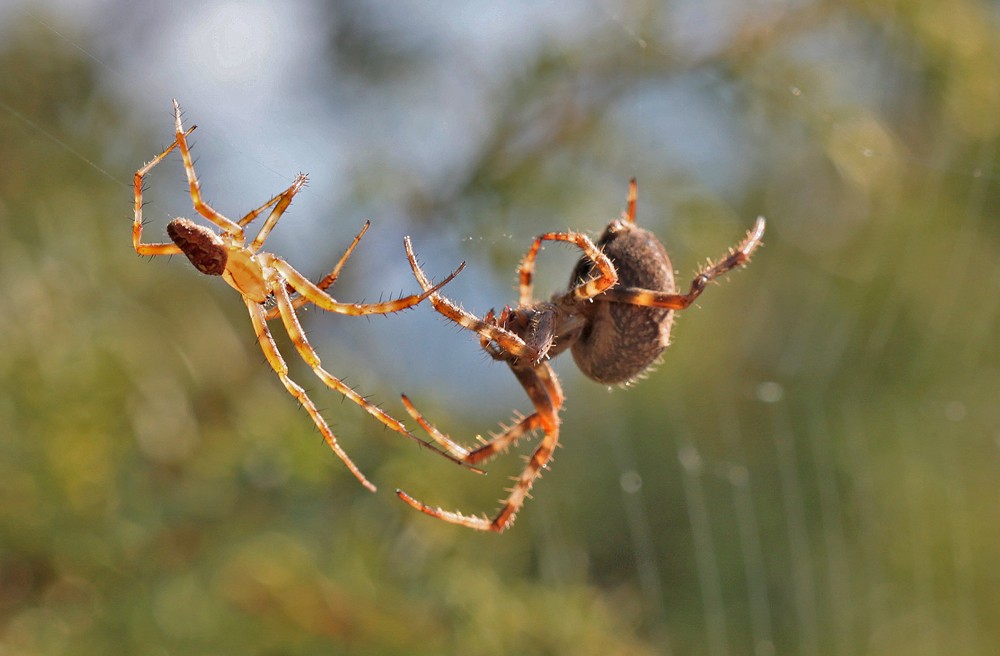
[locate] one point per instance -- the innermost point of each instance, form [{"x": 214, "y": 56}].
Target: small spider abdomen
[
  {"x": 621, "y": 341},
  {"x": 203, "y": 247}
]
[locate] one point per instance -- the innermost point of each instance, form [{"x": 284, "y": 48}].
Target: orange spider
[
  {"x": 262, "y": 278},
  {"x": 616, "y": 319}
]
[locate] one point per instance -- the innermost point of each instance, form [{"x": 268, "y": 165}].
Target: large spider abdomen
[{"x": 621, "y": 341}]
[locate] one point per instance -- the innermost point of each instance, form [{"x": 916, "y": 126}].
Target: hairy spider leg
[
  {"x": 270, "y": 349},
  {"x": 168, "y": 248},
  {"x": 284, "y": 200},
  {"x": 313, "y": 294},
  {"x": 311, "y": 358},
  {"x": 252, "y": 215},
  {"x": 543, "y": 388},
  {"x": 200, "y": 206},
  {"x": 445, "y": 442},
  {"x": 509, "y": 436},
  {"x": 737, "y": 257},
  {"x": 286, "y": 310},
  {"x": 309, "y": 292},
  {"x": 630, "y": 202},
  {"x": 586, "y": 290},
  {"x": 329, "y": 279},
  {"x": 506, "y": 339}
]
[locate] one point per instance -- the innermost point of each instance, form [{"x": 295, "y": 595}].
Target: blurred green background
[{"x": 812, "y": 469}]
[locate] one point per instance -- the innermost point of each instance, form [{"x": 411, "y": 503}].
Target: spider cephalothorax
[
  {"x": 263, "y": 278},
  {"x": 615, "y": 318}
]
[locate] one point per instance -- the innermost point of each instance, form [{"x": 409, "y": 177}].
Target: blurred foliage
[{"x": 811, "y": 470}]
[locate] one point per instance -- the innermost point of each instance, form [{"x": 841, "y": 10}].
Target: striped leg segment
[
  {"x": 585, "y": 290},
  {"x": 506, "y": 339},
  {"x": 737, "y": 257},
  {"x": 543, "y": 387}
]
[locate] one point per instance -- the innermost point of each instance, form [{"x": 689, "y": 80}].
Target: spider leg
[
  {"x": 737, "y": 257},
  {"x": 203, "y": 208},
  {"x": 487, "y": 450},
  {"x": 506, "y": 339},
  {"x": 252, "y": 215},
  {"x": 284, "y": 199},
  {"x": 445, "y": 442},
  {"x": 330, "y": 278},
  {"x": 526, "y": 275},
  {"x": 633, "y": 195},
  {"x": 298, "y": 337},
  {"x": 168, "y": 248},
  {"x": 266, "y": 341},
  {"x": 584, "y": 291},
  {"x": 542, "y": 386},
  {"x": 497, "y": 443},
  {"x": 591, "y": 288},
  {"x": 311, "y": 358},
  {"x": 318, "y": 297},
  {"x": 526, "y": 270}
]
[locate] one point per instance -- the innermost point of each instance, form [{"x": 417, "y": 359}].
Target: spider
[
  {"x": 263, "y": 278},
  {"x": 615, "y": 319}
]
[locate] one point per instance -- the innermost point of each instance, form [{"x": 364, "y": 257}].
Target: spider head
[{"x": 205, "y": 249}]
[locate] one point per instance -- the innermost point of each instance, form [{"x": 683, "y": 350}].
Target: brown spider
[
  {"x": 615, "y": 318},
  {"x": 262, "y": 278}
]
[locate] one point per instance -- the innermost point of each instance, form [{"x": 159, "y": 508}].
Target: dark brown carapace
[{"x": 615, "y": 318}]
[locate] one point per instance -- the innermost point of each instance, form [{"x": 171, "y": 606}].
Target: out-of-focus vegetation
[{"x": 811, "y": 470}]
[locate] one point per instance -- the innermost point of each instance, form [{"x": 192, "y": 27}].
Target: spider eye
[{"x": 203, "y": 247}]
